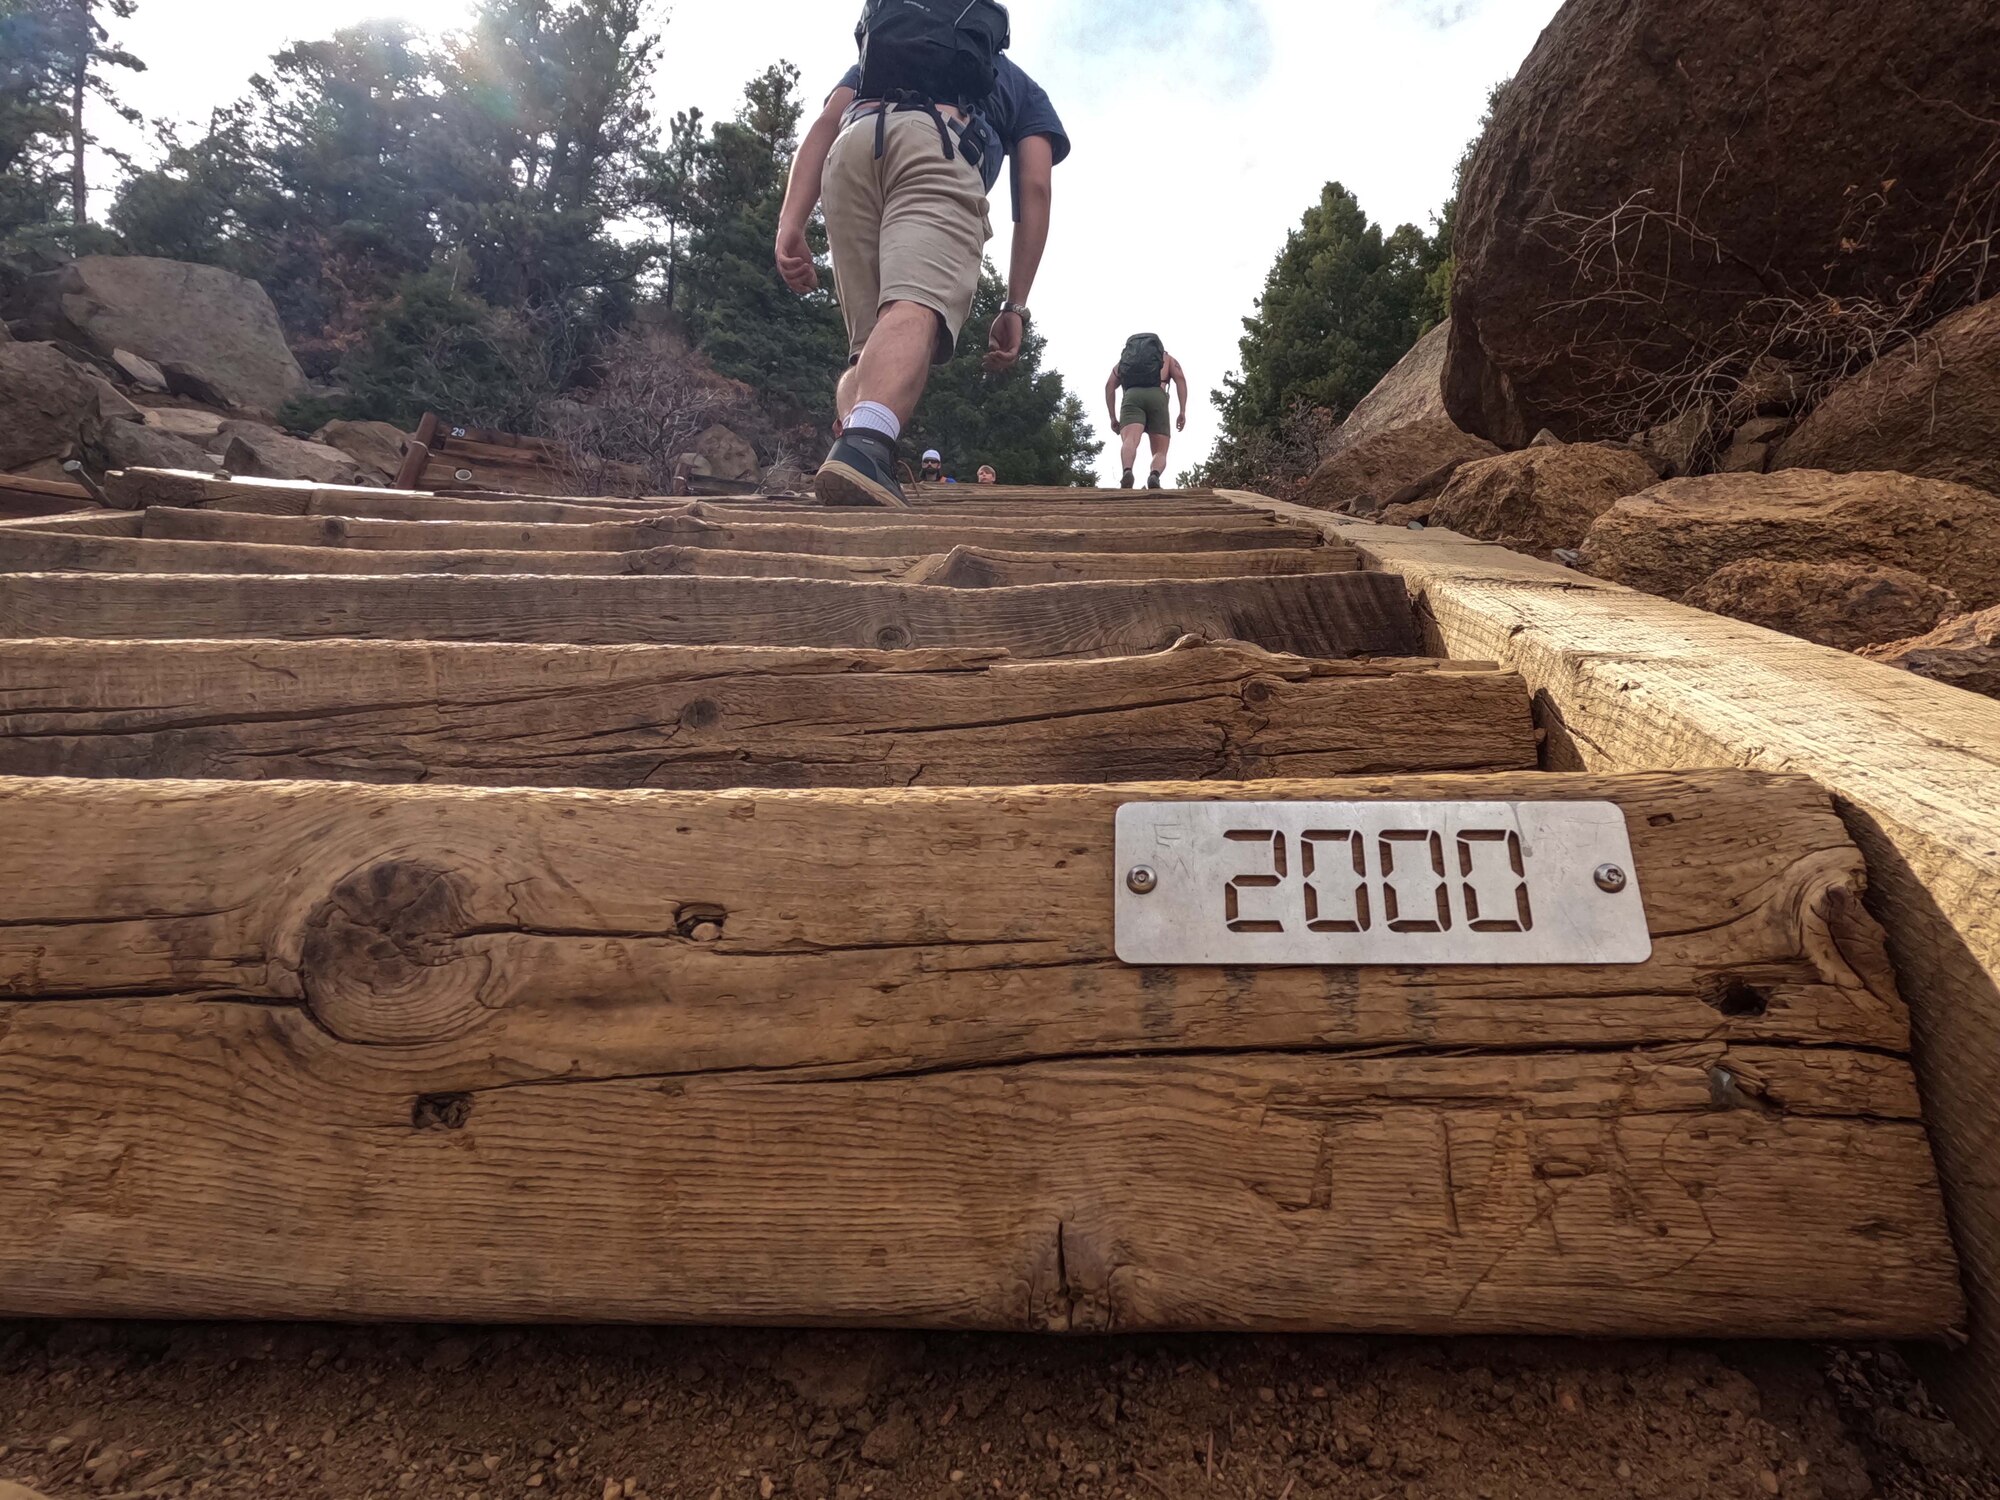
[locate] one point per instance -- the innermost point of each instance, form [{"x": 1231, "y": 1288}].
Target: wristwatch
[{"x": 1018, "y": 310}]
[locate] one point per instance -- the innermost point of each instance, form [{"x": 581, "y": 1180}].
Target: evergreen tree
[
  {"x": 748, "y": 323},
  {"x": 1342, "y": 304},
  {"x": 1026, "y": 423},
  {"x": 55, "y": 62}
]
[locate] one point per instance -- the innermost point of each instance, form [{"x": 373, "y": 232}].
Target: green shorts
[{"x": 1149, "y": 408}]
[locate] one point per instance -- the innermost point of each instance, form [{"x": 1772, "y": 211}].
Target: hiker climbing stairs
[{"x": 486, "y": 908}]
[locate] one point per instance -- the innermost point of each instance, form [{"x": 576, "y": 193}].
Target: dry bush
[
  {"x": 1276, "y": 464},
  {"x": 1643, "y": 257},
  {"x": 630, "y": 432}
]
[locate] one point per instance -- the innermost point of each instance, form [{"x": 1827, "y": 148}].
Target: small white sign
[{"x": 1378, "y": 883}]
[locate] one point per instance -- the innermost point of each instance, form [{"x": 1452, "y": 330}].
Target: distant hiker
[
  {"x": 933, "y": 469},
  {"x": 988, "y": 474},
  {"x": 1143, "y": 371},
  {"x": 904, "y": 154}
]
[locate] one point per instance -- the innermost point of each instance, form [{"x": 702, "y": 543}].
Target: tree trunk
[{"x": 79, "y": 182}]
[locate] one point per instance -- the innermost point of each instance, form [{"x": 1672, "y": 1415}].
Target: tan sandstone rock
[
  {"x": 1963, "y": 652},
  {"x": 1540, "y": 498},
  {"x": 1671, "y": 537},
  {"x": 1845, "y": 605}
]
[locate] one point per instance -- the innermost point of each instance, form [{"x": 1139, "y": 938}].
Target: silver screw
[
  {"x": 1142, "y": 880},
  {"x": 1610, "y": 878}
]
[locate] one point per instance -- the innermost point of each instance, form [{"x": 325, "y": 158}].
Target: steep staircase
[{"x": 517, "y": 909}]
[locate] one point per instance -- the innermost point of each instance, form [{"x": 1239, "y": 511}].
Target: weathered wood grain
[
  {"x": 714, "y": 717},
  {"x": 298, "y": 1050},
  {"x": 978, "y": 567},
  {"x": 136, "y": 489},
  {"x": 1627, "y": 680},
  {"x": 49, "y": 552},
  {"x": 914, "y": 539},
  {"x": 1330, "y": 615},
  {"x": 93, "y": 522},
  {"x": 981, "y": 519}
]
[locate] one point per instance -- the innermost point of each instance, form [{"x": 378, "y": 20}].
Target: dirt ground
[{"x": 318, "y": 1413}]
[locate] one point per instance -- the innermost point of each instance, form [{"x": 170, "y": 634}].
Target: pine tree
[
  {"x": 55, "y": 62},
  {"x": 1026, "y": 423},
  {"x": 1342, "y": 304}
]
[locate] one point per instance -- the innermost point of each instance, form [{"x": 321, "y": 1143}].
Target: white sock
[{"x": 873, "y": 416}]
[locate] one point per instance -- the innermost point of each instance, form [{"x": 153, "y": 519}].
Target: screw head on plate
[
  {"x": 1142, "y": 880},
  {"x": 1610, "y": 879}
]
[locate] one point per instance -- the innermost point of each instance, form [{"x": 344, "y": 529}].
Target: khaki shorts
[
  {"x": 1148, "y": 406},
  {"x": 911, "y": 227}
]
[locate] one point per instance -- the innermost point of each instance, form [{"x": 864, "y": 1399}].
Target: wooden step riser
[
  {"x": 710, "y": 718},
  {"x": 890, "y": 541},
  {"x": 963, "y": 567},
  {"x": 1329, "y": 615},
  {"x": 310, "y": 1051}
]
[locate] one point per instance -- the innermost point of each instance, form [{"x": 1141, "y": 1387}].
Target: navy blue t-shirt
[{"x": 1017, "y": 109}]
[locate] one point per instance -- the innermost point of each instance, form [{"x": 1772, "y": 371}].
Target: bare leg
[
  {"x": 843, "y": 395},
  {"x": 1161, "y": 442},
  {"x": 896, "y": 364},
  {"x": 1130, "y": 437}
]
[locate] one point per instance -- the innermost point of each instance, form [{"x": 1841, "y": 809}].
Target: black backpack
[
  {"x": 931, "y": 51},
  {"x": 1143, "y": 365}
]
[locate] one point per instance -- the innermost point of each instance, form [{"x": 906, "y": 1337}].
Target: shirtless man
[{"x": 1143, "y": 372}]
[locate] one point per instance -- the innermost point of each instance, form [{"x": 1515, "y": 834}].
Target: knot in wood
[
  {"x": 384, "y": 961},
  {"x": 892, "y": 638}
]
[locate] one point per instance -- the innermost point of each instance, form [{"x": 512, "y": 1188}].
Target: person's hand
[
  {"x": 795, "y": 259},
  {"x": 1181, "y": 425},
  {"x": 1003, "y": 345}
]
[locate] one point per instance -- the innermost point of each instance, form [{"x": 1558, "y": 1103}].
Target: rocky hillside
[
  {"x": 1726, "y": 324},
  {"x": 114, "y": 362}
]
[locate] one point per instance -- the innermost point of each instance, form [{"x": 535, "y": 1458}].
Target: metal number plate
[{"x": 1378, "y": 883}]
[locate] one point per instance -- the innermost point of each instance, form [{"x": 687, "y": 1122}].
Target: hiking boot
[
  {"x": 1152, "y": 481},
  {"x": 1126, "y": 482},
  {"x": 861, "y": 470}
]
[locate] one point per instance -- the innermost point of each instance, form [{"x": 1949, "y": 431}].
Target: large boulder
[
  {"x": 1540, "y": 498},
  {"x": 1398, "y": 445},
  {"x": 1660, "y": 136},
  {"x": 213, "y": 334},
  {"x": 1845, "y": 605},
  {"x": 1669, "y": 538},
  {"x": 131, "y": 445},
  {"x": 376, "y": 446},
  {"x": 256, "y": 452},
  {"x": 1963, "y": 651},
  {"x": 729, "y": 456},
  {"x": 50, "y": 406},
  {"x": 1931, "y": 408}
]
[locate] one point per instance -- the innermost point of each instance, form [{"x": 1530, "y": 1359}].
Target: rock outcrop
[
  {"x": 1831, "y": 174},
  {"x": 263, "y": 453},
  {"x": 1963, "y": 652},
  {"x": 1846, "y": 605},
  {"x": 1398, "y": 445},
  {"x": 1669, "y": 538},
  {"x": 214, "y": 336},
  {"x": 131, "y": 445},
  {"x": 1931, "y": 409},
  {"x": 376, "y": 447},
  {"x": 728, "y": 455},
  {"x": 50, "y": 406},
  {"x": 1540, "y": 498}
]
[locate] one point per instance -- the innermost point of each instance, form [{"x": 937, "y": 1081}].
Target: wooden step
[
  {"x": 912, "y": 539},
  {"x": 34, "y": 552},
  {"x": 136, "y": 489},
  {"x": 311, "y": 1051},
  {"x": 986, "y": 567},
  {"x": 713, "y": 717},
  {"x": 1324, "y": 615}
]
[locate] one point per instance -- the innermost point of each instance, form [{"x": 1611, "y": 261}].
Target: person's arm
[
  {"x": 1111, "y": 395},
  {"x": 1180, "y": 383},
  {"x": 1034, "y": 182},
  {"x": 795, "y": 257}
]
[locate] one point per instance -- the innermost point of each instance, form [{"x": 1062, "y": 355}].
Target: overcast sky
[{"x": 1203, "y": 130}]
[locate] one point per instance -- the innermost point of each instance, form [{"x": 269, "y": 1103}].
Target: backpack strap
[{"x": 957, "y": 140}]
